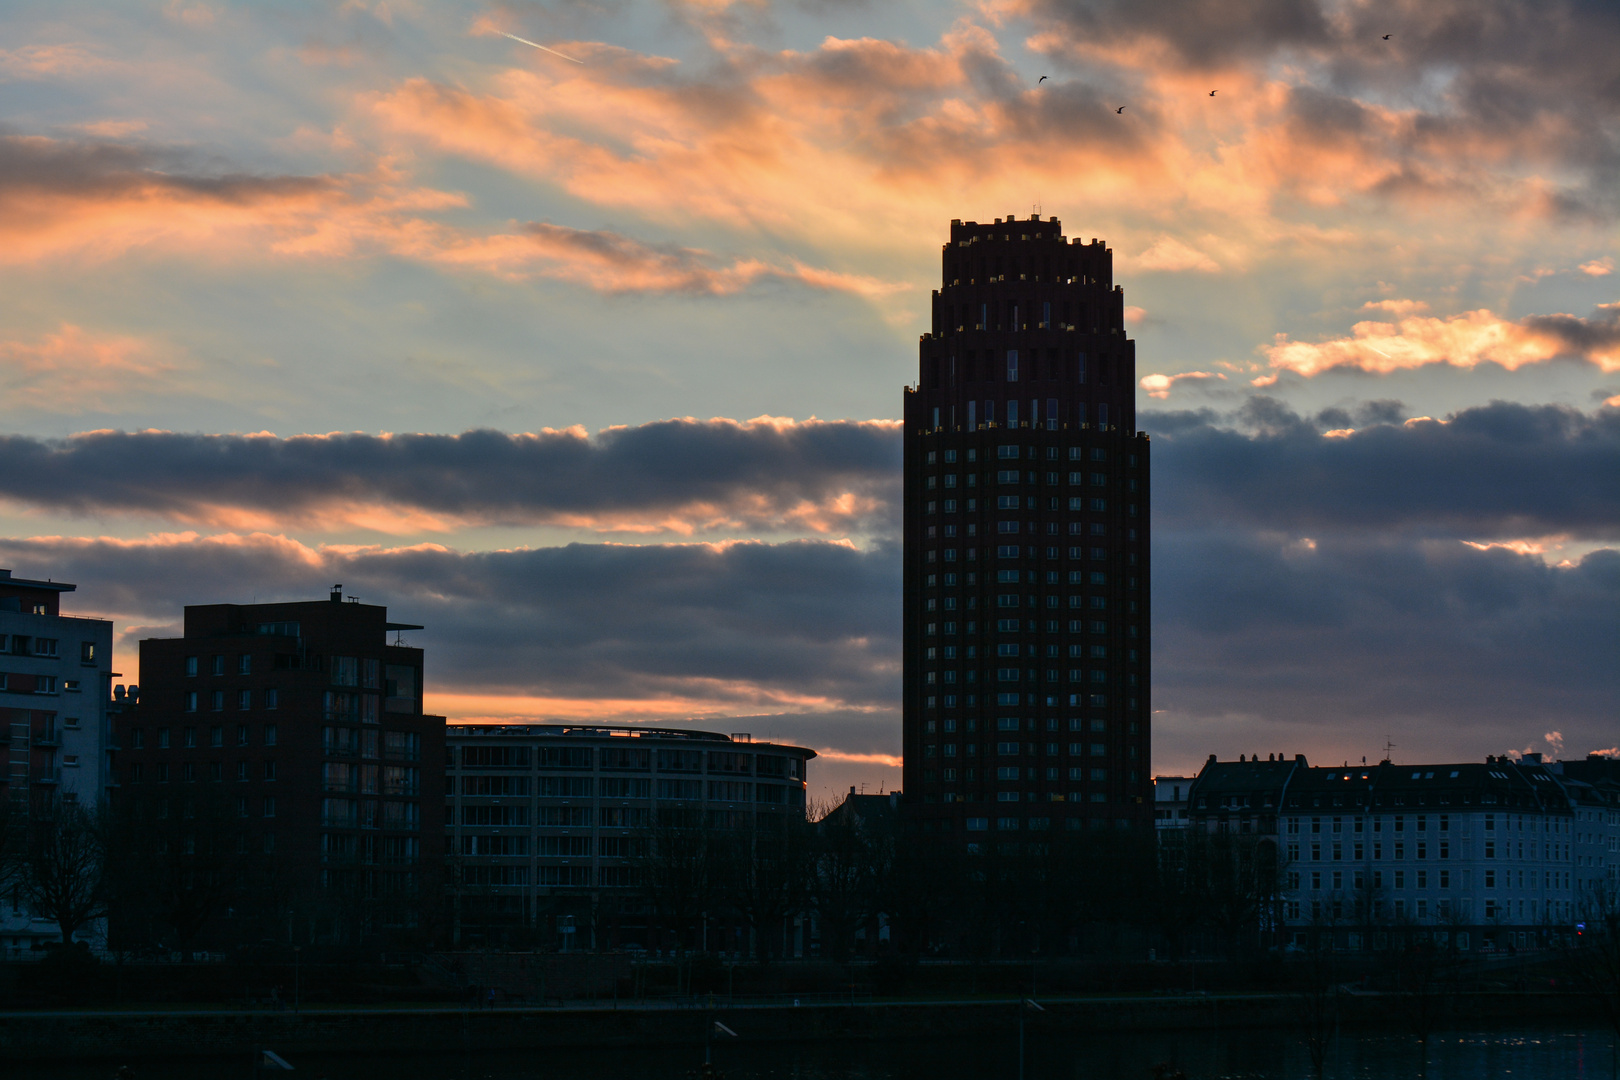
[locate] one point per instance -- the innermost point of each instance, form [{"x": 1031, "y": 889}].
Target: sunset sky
[{"x": 593, "y": 367}]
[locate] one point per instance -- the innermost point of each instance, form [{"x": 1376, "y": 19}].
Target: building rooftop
[
  {"x": 611, "y": 731},
  {"x": 28, "y": 583}
]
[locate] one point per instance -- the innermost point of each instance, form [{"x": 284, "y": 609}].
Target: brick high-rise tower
[{"x": 1027, "y": 632}]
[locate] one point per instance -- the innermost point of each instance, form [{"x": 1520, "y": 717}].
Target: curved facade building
[{"x": 545, "y": 821}]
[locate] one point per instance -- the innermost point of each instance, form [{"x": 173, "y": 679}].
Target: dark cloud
[
  {"x": 1319, "y": 589},
  {"x": 1204, "y": 32},
  {"x": 757, "y": 472},
  {"x": 90, "y": 169},
  {"x": 1455, "y": 651},
  {"x": 1464, "y": 90},
  {"x": 800, "y": 624},
  {"x": 1497, "y": 471}
]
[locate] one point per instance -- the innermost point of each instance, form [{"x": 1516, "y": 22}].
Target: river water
[{"x": 1528, "y": 1054}]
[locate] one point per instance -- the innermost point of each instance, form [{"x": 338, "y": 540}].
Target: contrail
[{"x": 536, "y": 45}]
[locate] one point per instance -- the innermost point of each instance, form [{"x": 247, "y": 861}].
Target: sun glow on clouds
[
  {"x": 73, "y": 370},
  {"x": 1464, "y": 341},
  {"x": 1158, "y": 386}
]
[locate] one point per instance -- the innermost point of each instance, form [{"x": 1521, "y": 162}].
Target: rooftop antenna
[{"x": 1388, "y": 746}]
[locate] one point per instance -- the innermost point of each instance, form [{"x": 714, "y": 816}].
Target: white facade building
[
  {"x": 1503, "y": 854},
  {"x": 55, "y": 678}
]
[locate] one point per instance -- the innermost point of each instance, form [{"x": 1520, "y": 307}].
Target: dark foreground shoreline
[{"x": 132, "y": 1034}]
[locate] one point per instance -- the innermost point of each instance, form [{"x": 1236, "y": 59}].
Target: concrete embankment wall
[{"x": 131, "y": 1036}]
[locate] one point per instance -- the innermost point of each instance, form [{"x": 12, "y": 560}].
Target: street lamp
[
  {"x": 1024, "y": 1005},
  {"x": 296, "y": 950}
]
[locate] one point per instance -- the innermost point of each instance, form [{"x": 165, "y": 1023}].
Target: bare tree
[
  {"x": 678, "y": 870},
  {"x": 843, "y": 881},
  {"x": 64, "y": 851},
  {"x": 13, "y": 861},
  {"x": 763, "y": 872}
]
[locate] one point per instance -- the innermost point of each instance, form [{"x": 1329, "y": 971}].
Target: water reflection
[{"x": 1241, "y": 1055}]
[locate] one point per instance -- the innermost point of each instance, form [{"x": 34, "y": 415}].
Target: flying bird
[
  {"x": 1212, "y": 93},
  {"x": 542, "y": 48},
  {"x": 1040, "y": 80},
  {"x": 1120, "y": 109},
  {"x": 1386, "y": 37}
]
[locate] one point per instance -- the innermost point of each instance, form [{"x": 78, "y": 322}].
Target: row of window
[
  {"x": 1075, "y": 652},
  {"x": 982, "y": 415},
  {"x": 1012, "y": 699},
  {"x": 1013, "y": 723},
  {"x": 1031, "y": 503},
  {"x": 189, "y": 735},
  {"x": 189, "y": 771},
  {"x": 1335, "y": 880},
  {"x": 608, "y": 877},
  {"x": 1032, "y": 477},
  {"x": 216, "y": 699},
  {"x": 28, "y": 645},
  {"x": 1007, "y": 774},
  {"x": 339, "y": 776},
  {"x": 1421, "y": 850},
  {"x": 346, "y": 670},
  {"x": 1012, "y": 749},
  {"x": 363, "y": 814},
  {"x": 1032, "y": 626},
  {"x": 627, "y": 759},
  {"x": 365, "y": 743},
  {"x": 1014, "y": 551},
  {"x": 1012, "y": 452},
  {"x": 365, "y": 851},
  {"x": 24, "y": 683},
  {"x": 556, "y": 847}
]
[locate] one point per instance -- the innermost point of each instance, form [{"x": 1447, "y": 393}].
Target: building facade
[
  {"x": 55, "y": 681},
  {"x": 1471, "y": 855},
  {"x": 302, "y": 724},
  {"x": 1027, "y": 631},
  {"x": 1170, "y": 801},
  {"x": 546, "y": 821}
]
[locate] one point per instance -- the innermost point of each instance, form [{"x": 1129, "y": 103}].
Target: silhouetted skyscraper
[{"x": 1027, "y": 628}]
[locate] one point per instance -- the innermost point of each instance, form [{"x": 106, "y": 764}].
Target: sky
[{"x": 590, "y": 359}]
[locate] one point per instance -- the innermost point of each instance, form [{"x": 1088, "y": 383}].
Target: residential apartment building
[
  {"x": 1472, "y": 854},
  {"x": 55, "y": 678},
  {"x": 1027, "y": 630},
  {"x": 301, "y": 722},
  {"x": 545, "y": 821},
  {"x": 1170, "y": 801}
]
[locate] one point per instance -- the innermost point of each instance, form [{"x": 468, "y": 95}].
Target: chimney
[
  {"x": 852, "y": 789},
  {"x": 337, "y": 594}
]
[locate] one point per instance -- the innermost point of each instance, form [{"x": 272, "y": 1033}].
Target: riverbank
[{"x": 129, "y": 1035}]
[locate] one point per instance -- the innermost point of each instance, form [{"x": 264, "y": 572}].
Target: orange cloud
[
  {"x": 47, "y": 61},
  {"x": 1158, "y": 386},
  {"x": 74, "y": 371},
  {"x": 1466, "y": 340},
  {"x": 1170, "y": 255}
]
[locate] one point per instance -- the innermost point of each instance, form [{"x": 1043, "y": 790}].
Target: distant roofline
[
  {"x": 29, "y": 583},
  {"x": 619, "y": 731}
]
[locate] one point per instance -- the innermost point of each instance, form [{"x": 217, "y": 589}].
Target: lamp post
[
  {"x": 297, "y": 949},
  {"x": 1024, "y": 1004}
]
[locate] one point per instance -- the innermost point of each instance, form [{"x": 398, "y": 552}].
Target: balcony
[
  {"x": 49, "y": 738},
  {"x": 46, "y": 776}
]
